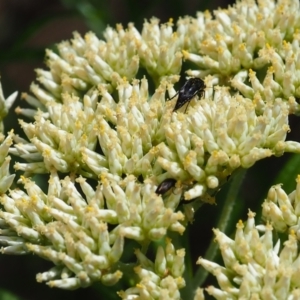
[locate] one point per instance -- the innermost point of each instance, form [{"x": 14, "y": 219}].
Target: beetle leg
[{"x": 173, "y": 96}]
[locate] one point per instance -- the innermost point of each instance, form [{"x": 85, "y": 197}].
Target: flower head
[
  {"x": 108, "y": 141},
  {"x": 162, "y": 278},
  {"x": 250, "y": 38},
  {"x": 282, "y": 209},
  {"x": 253, "y": 266}
]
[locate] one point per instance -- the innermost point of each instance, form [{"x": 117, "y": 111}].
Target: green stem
[
  {"x": 145, "y": 245},
  {"x": 231, "y": 197}
]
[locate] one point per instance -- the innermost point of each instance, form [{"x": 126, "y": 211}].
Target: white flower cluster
[
  {"x": 72, "y": 231},
  {"x": 254, "y": 268},
  {"x": 283, "y": 210},
  {"x": 142, "y": 136},
  {"x": 86, "y": 62},
  {"x": 161, "y": 279},
  {"x": 138, "y": 137},
  {"x": 117, "y": 142},
  {"x": 248, "y": 38}
]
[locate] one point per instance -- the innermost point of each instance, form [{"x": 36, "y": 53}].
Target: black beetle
[
  {"x": 188, "y": 91},
  {"x": 165, "y": 186}
]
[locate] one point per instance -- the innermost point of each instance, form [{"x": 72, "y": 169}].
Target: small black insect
[
  {"x": 188, "y": 91},
  {"x": 165, "y": 186}
]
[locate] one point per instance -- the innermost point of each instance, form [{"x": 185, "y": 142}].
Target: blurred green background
[{"x": 30, "y": 26}]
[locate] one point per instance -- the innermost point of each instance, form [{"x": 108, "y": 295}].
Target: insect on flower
[
  {"x": 165, "y": 186},
  {"x": 188, "y": 91}
]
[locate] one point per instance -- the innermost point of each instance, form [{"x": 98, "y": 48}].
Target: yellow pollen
[
  {"x": 220, "y": 50},
  {"x": 186, "y": 54},
  {"x": 242, "y": 46},
  {"x": 89, "y": 209},
  {"x": 251, "y": 72},
  {"x": 219, "y": 37},
  {"x": 78, "y": 124},
  {"x": 47, "y": 153},
  {"x": 240, "y": 224}
]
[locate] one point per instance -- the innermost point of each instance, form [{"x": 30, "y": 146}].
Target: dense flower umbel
[
  {"x": 254, "y": 267},
  {"x": 283, "y": 210},
  {"x": 160, "y": 279},
  {"x": 94, "y": 120},
  {"x": 142, "y": 136},
  {"x": 241, "y": 41},
  {"x": 251, "y": 37},
  {"x": 72, "y": 230}
]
